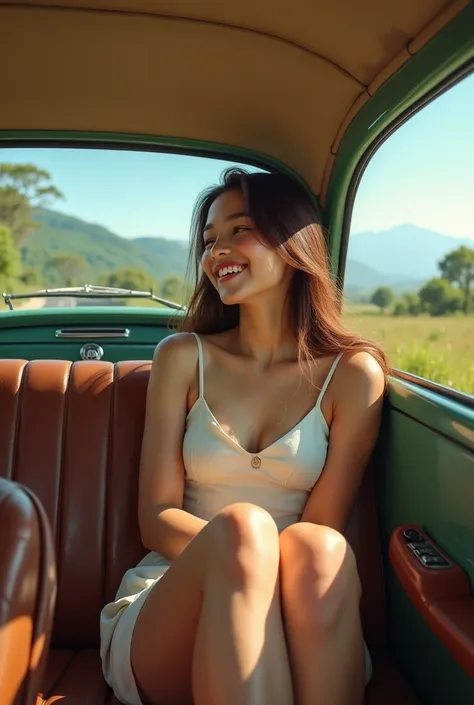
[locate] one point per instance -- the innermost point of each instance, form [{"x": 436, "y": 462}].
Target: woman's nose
[{"x": 220, "y": 248}]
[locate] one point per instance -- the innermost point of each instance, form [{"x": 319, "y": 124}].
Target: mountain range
[{"x": 403, "y": 257}]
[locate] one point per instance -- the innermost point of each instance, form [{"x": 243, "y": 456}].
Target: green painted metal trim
[
  {"x": 98, "y": 315},
  {"x": 158, "y": 143},
  {"x": 445, "y": 416},
  {"x": 139, "y": 141},
  {"x": 444, "y": 55}
]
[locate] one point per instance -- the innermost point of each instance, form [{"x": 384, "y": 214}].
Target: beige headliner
[{"x": 283, "y": 77}]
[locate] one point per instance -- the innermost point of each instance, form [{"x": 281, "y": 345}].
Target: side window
[{"x": 409, "y": 278}]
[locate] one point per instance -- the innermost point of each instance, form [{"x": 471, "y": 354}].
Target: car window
[
  {"x": 115, "y": 218},
  {"x": 409, "y": 278}
]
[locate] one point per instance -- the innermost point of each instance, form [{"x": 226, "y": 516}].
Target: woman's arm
[
  {"x": 357, "y": 396},
  {"x": 164, "y": 526}
]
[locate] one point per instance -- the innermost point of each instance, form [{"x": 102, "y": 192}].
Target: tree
[
  {"x": 130, "y": 278},
  {"x": 10, "y": 262},
  {"x": 408, "y": 305},
  {"x": 66, "y": 269},
  {"x": 458, "y": 268},
  {"x": 382, "y": 297},
  {"x": 413, "y": 304},
  {"x": 173, "y": 289},
  {"x": 31, "y": 276},
  {"x": 440, "y": 298},
  {"x": 23, "y": 189},
  {"x": 15, "y": 212}
]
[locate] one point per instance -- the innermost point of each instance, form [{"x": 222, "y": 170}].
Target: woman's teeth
[{"x": 230, "y": 270}]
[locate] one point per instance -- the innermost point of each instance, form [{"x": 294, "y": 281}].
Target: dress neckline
[{"x": 201, "y": 400}]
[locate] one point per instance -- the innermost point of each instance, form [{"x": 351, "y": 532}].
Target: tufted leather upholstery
[{"x": 72, "y": 434}]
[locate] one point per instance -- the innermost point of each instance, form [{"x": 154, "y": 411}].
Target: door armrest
[{"x": 439, "y": 589}]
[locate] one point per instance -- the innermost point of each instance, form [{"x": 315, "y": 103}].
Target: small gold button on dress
[{"x": 256, "y": 461}]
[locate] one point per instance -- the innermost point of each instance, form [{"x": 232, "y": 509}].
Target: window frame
[{"x": 442, "y": 87}]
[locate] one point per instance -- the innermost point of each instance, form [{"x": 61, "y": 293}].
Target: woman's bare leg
[
  {"x": 320, "y": 597},
  {"x": 210, "y": 631}
]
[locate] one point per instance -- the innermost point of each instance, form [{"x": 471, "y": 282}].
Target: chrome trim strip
[
  {"x": 447, "y": 392},
  {"x": 92, "y": 333}
]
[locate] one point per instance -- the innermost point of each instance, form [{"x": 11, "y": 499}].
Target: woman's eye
[
  {"x": 208, "y": 244},
  {"x": 241, "y": 229}
]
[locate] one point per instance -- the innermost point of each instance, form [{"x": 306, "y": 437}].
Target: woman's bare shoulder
[
  {"x": 176, "y": 354},
  {"x": 359, "y": 376}
]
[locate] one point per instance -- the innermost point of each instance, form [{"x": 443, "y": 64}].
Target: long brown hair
[{"x": 291, "y": 223}]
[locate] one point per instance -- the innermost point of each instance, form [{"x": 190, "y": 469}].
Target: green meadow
[{"x": 440, "y": 349}]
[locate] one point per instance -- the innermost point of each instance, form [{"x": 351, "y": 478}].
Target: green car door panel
[{"x": 425, "y": 477}]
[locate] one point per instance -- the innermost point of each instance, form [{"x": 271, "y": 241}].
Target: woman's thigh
[
  {"x": 163, "y": 637},
  {"x": 320, "y": 596},
  {"x": 165, "y": 631}
]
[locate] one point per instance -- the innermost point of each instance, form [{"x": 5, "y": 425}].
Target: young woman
[{"x": 260, "y": 421}]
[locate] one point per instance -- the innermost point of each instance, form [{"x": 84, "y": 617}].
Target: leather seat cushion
[{"x": 75, "y": 678}]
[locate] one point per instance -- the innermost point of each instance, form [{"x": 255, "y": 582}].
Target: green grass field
[{"x": 440, "y": 349}]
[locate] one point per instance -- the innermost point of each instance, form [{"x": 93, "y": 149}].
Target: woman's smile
[{"x": 227, "y": 272}]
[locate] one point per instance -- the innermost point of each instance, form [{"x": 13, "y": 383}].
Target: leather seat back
[{"x": 72, "y": 433}]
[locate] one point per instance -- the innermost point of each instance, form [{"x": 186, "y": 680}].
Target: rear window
[{"x": 104, "y": 218}]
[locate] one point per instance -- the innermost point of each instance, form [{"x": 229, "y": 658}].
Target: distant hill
[
  {"x": 173, "y": 252},
  {"x": 362, "y": 280},
  {"x": 102, "y": 249},
  {"x": 405, "y": 252}
]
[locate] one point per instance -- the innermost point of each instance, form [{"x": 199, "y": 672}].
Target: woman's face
[{"x": 235, "y": 259}]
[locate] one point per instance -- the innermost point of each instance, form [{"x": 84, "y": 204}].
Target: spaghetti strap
[
  {"x": 200, "y": 365},
  {"x": 328, "y": 379}
]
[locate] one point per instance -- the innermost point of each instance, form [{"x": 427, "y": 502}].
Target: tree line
[
  {"x": 24, "y": 188},
  {"x": 448, "y": 294}
]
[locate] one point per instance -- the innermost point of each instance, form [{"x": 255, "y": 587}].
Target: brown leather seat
[{"x": 72, "y": 434}]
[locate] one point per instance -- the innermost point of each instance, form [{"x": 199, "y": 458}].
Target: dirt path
[{"x": 29, "y": 304}]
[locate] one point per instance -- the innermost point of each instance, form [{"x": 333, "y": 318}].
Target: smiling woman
[{"x": 230, "y": 497}]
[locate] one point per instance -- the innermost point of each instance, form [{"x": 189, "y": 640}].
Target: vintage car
[{"x": 310, "y": 88}]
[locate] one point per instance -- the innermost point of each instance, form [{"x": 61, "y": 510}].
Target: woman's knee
[
  {"x": 245, "y": 542},
  {"x": 319, "y": 574}
]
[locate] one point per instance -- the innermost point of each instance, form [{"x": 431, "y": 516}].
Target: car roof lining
[{"x": 281, "y": 80}]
